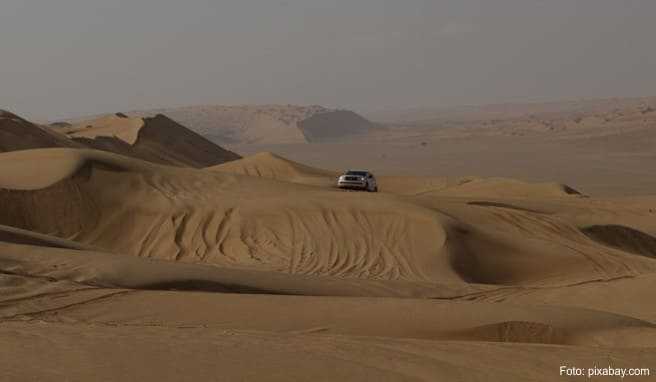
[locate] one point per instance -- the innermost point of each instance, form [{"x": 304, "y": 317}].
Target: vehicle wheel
[{"x": 376, "y": 189}]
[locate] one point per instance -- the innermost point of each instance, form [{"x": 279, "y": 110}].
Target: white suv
[{"x": 357, "y": 179}]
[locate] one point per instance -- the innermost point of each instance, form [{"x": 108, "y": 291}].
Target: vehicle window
[{"x": 357, "y": 173}]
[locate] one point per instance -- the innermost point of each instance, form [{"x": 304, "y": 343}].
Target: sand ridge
[{"x": 114, "y": 126}]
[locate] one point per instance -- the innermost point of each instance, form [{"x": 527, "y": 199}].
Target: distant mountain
[{"x": 268, "y": 124}]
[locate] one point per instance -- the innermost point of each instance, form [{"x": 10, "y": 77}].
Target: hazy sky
[{"x": 74, "y": 57}]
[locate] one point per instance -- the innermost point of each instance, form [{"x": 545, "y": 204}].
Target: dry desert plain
[{"x": 134, "y": 249}]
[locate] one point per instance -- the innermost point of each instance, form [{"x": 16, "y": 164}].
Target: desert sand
[{"x": 154, "y": 262}]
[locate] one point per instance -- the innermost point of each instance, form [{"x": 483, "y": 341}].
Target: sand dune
[
  {"x": 157, "y": 139},
  {"x": 437, "y": 276},
  {"x": 200, "y": 216},
  {"x": 206, "y": 217}
]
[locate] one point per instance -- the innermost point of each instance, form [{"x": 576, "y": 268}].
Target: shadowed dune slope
[
  {"x": 19, "y": 134},
  {"x": 625, "y": 238},
  {"x": 18, "y": 236}
]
